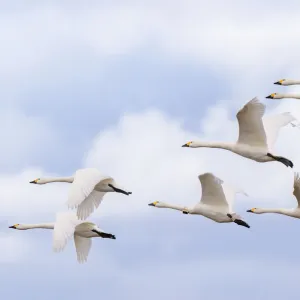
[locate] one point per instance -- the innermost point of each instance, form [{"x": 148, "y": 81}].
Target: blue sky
[{"x": 121, "y": 87}]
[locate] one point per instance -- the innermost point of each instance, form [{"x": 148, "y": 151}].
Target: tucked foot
[
  {"x": 119, "y": 190},
  {"x": 242, "y": 223},
  {"x": 238, "y": 221},
  {"x": 104, "y": 235},
  {"x": 185, "y": 211},
  {"x": 109, "y": 236},
  {"x": 281, "y": 159}
]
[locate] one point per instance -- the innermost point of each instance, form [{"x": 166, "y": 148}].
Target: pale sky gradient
[{"x": 121, "y": 87}]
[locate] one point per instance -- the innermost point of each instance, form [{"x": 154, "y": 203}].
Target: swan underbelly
[
  {"x": 258, "y": 154},
  {"x": 87, "y": 234},
  {"x": 294, "y": 213},
  {"x": 212, "y": 213},
  {"x": 102, "y": 186}
]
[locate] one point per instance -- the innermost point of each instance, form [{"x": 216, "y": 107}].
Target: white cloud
[
  {"x": 240, "y": 39},
  {"x": 23, "y": 136},
  {"x": 20, "y": 198},
  {"x": 143, "y": 152}
]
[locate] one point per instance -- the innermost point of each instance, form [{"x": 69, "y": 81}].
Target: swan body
[
  {"x": 88, "y": 187},
  {"x": 294, "y": 212},
  {"x": 215, "y": 204},
  {"x": 283, "y": 95},
  {"x": 257, "y": 135},
  {"x": 67, "y": 225},
  {"x": 287, "y": 82}
]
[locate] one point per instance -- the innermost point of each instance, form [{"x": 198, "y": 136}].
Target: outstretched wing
[
  {"x": 251, "y": 128},
  {"x": 92, "y": 202},
  {"x": 64, "y": 229},
  {"x": 230, "y": 194},
  {"x": 296, "y": 191},
  {"x": 84, "y": 183},
  {"x": 212, "y": 191},
  {"x": 83, "y": 247},
  {"x": 273, "y": 124}
]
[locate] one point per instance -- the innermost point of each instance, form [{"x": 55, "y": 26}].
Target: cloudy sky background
[{"x": 121, "y": 87}]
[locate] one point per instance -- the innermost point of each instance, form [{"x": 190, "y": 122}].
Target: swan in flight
[
  {"x": 257, "y": 134},
  {"x": 287, "y": 82},
  {"x": 215, "y": 204},
  {"x": 294, "y": 212},
  {"x": 283, "y": 95},
  {"x": 67, "y": 225},
  {"x": 87, "y": 189}
]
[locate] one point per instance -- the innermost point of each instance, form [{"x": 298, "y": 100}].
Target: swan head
[
  {"x": 255, "y": 210},
  {"x": 18, "y": 226},
  {"x": 275, "y": 96},
  {"x": 159, "y": 204},
  {"x": 280, "y": 82},
  {"x": 156, "y": 204},
  {"x": 191, "y": 144},
  {"x": 38, "y": 181}
]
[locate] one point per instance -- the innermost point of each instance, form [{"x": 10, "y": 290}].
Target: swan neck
[
  {"x": 274, "y": 210},
  {"x": 226, "y": 146},
  {"x": 41, "y": 225},
  {"x": 287, "y": 95},
  {"x": 59, "y": 179},
  {"x": 292, "y": 82},
  {"x": 172, "y": 206}
]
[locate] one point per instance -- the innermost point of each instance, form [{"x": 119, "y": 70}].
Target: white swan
[
  {"x": 67, "y": 225},
  {"x": 294, "y": 212},
  {"x": 215, "y": 204},
  {"x": 257, "y": 135},
  {"x": 87, "y": 189},
  {"x": 287, "y": 82},
  {"x": 283, "y": 95}
]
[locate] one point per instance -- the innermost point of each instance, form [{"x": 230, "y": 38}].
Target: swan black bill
[
  {"x": 119, "y": 190},
  {"x": 12, "y": 227},
  {"x": 269, "y": 97},
  {"x": 277, "y": 82},
  {"x": 249, "y": 210},
  {"x": 33, "y": 181},
  {"x": 185, "y": 145},
  {"x": 151, "y": 204},
  {"x": 185, "y": 212}
]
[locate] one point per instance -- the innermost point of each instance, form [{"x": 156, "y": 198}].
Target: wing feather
[
  {"x": 83, "y": 247},
  {"x": 84, "y": 183},
  {"x": 296, "y": 191},
  {"x": 251, "y": 128},
  {"x": 64, "y": 229},
  {"x": 273, "y": 124},
  {"x": 87, "y": 207},
  {"x": 212, "y": 191}
]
